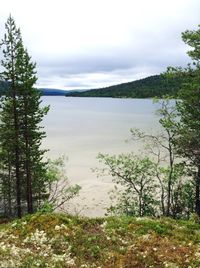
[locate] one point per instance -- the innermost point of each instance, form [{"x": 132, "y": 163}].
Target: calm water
[{"x": 80, "y": 128}]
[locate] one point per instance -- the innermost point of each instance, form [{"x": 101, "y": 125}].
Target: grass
[{"x": 58, "y": 240}]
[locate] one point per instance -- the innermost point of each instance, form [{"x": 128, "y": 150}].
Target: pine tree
[
  {"x": 21, "y": 135},
  {"x": 187, "y": 138}
]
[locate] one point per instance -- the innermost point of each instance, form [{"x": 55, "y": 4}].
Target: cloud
[{"x": 86, "y": 44}]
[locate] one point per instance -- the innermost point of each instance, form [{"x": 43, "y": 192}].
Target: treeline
[
  {"x": 4, "y": 87},
  {"x": 153, "y": 86}
]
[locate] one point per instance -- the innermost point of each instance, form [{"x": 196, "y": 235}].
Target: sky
[{"x": 82, "y": 44}]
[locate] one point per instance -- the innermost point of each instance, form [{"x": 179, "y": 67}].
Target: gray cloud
[{"x": 87, "y": 44}]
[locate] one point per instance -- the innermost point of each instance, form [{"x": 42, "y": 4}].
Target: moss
[{"x": 60, "y": 240}]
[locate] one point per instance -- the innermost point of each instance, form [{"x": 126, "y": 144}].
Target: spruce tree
[{"x": 22, "y": 167}]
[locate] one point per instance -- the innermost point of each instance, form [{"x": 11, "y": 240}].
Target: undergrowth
[{"x": 58, "y": 240}]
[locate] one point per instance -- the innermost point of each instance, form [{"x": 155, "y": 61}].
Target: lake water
[{"x": 80, "y": 128}]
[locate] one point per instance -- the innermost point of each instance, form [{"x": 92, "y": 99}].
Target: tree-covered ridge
[
  {"x": 153, "y": 86},
  {"x": 4, "y": 87}
]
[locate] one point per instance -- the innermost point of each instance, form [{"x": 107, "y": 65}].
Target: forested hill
[
  {"x": 3, "y": 87},
  {"x": 44, "y": 91},
  {"x": 153, "y": 86},
  {"x": 52, "y": 92}
]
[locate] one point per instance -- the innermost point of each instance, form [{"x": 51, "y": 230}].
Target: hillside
[
  {"x": 52, "y": 92},
  {"x": 3, "y": 87},
  {"x": 58, "y": 240},
  {"x": 44, "y": 91},
  {"x": 153, "y": 86}
]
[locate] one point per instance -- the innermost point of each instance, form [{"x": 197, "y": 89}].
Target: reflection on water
[{"x": 80, "y": 128}]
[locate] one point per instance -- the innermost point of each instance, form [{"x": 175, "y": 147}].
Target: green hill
[
  {"x": 44, "y": 91},
  {"x": 3, "y": 87},
  {"x": 58, "y": 240},
  {"x": 52, "y": 92},
  {"x": 153, "y": 86}
]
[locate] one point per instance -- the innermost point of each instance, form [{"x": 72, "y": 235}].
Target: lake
[{"x": 80, "y": 128}]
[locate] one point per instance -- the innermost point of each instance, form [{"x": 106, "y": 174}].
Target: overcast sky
[{"x": 80, "y": 44}]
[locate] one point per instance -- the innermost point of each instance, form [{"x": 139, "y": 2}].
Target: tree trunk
[
  {"x": 140, "y": 206},
  {"x": 17, "y": 161},
  {"x": 18, "y": 181},
  {"x": 29, "y": 189},
  {"x": 197, "y": 197},
  {"x": 27, "y": 161},
  {"x": 16, "y": 133},
  {"x": 168, "y": 210},
  {"x": 162, "y": 201},
  {"x": 9, "y": 191}
]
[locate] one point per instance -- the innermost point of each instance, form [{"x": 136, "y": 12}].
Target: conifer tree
[
  {"x": 187, "y": 129},
  {"x": 22, "y": 168}
]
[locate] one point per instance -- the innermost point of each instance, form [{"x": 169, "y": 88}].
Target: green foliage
[
  {"x": 22, "y": 170},
  {"x": 46, "y": 207},
  {"x": 192, "y": 38},
  {"x": 159, "y": 184},
  {"x": 186, "y": 131},
  {"x": 27, "y": 182},
  {"x": 3, "y": 87},
  {"x": 147, "y": 225},
  {"x": 136, "y": 176},
  {"x": 59, "y": 190},
  {"x": 60, "y": 240},
  {"x": 168, "y": 176},
  {"x": 153, "y": 86}
]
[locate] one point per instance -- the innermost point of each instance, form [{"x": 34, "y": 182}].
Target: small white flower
[
  {"x": 103, "y": 225},
  {"x": 197, "y": 254},
  {"x": 57, "y": 227},
  {"x": 63, "y": 226},
  {"x": 146, "y": 236}
]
